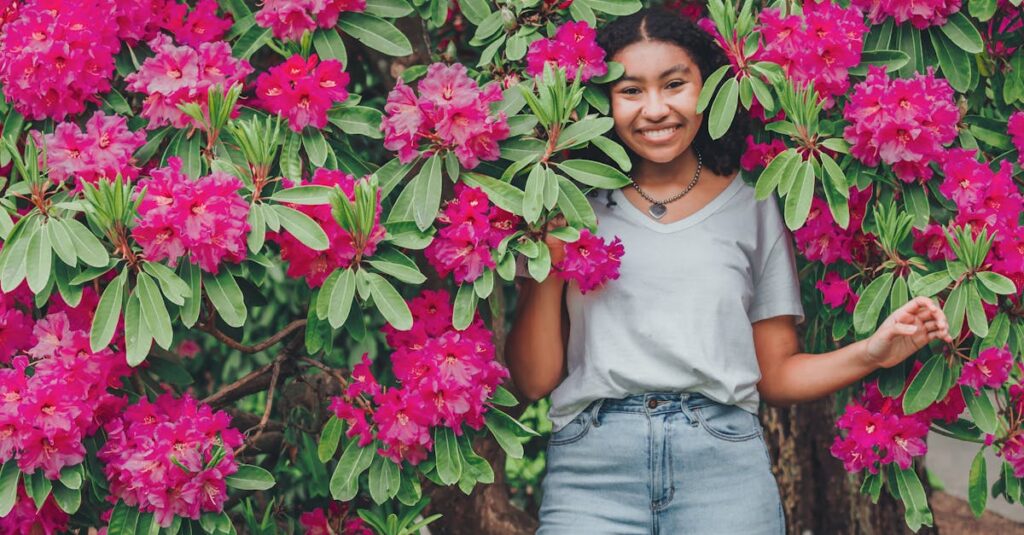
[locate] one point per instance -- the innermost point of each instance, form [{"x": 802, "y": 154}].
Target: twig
[
  {"x": 365, "y": 405},
  {"x": 255, "y": 381},
  {"x": 209, "y": 327},
  {"x": 274, "y": 376}
]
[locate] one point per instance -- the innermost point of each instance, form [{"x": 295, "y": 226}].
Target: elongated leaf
[
  {"x": 87, "y": 246},
  {"x": 446, "y": 451},
  {"x": 772, "y": 174},
  {"x": 427, "y": 193},
  {"x": 931, "y": 283},
  {"x": 358, "y": 120},
  {"x": 61, "y": 242},
  {"x": 914, "y": 498},
  {"x": 798, "y": 201},
  {"x": 38, "y": 261},
  {"x": 892, "y": 60},
  {"x": 389, "y": 302},
  {"x": 954, "y": 309},
  {"x": 996, "y": 282},
  {"x": 976, "y": 319},
  {"x": 307, "y": 195},
  {"x": 226, "y": 297},
  {"x": 464, "y": 307},
  {"x": 291, "y": 163},
  {"x": 708, "y": 90},
  {"x": 594, "y": 174},
  {"x": 137, "y": 339},
  {"x": 503, "y": 397},
  {"x": 342, "y": 293},
  {"x": 249, "y": 477},
  {"x": 123, "y": 520},
  {"x": 154, "y": 310},
  {"x": 330, "y": 438},
  {"x": 403, "y": 272},
  {"x": 983, "y": 412},
  {"x": 375, "y": 33},
  {"x": 354, "y": 461},
  {"x": 533, "y": 201},
  {"x": 926, "y": 387},
  {"x": 574, "y": 205},
  {"x": 956, "y": 64},
  {"x": 614, "y": 151},
  {"x": 961, "y": 31},
  {"x": 724, "y": 109},
  {"x": 583, "y": 131},
  {"x": 977, "y": 484},
  {"x": 504, "y": 195},
  {"x": 9, "y": 476},
  {"x": 193, "y": 277},
  {"x": 328, "y": 45},
  {"x": 108, "y": 312},
  {"x": 873, "y": 298},
  {"x": 615, "y": 7},
  {"x": 316, "y": 146},
  {"x": 303, "y": 227},
  {"x": 69, "y": 500}
]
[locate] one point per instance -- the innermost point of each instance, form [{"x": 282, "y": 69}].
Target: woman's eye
[
  {"x": 675, "y": 83},
  {"x": 630, "y": 91}
]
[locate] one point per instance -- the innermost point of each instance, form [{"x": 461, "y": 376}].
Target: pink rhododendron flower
[
  {"x": 188, "y": 348},
  {"x": 206, "y": 218},
  {"x": 15, "y": 323},
  {"x": 759, "y": 155},
  {"x": 989, "y": 370},
  {"x": 337, "y": 519},
  {"x": 821, "y": 239},
  {"x": 198, "y": 25},
  {"x": 104, "y": 150},
  {"x": 26, "y": 518},
  {"x": 138, "y": 21},
  {"x": 691, "y": 9},
  {"x": 903, "y": 122},
  {"x": 821, "y": 46},
  {"x": 836, "y": 292},
  {"x": 932, "y": 243},
  {"x": 445, "y": 377},
  {"x": 55, "y": 58},
  {"x": 181, "y": 74},
  {"x": 920, "y": 13},
  {"x": 470, "y": 228},
  {"x": 574, "y": 47},
  {"x": 316, "y": 266},
  {"x": 1013, "y": 451},
  {"x": 452, "y": 113},
  {"x": 157, "y": 455},
  {"x": 590, "y": 261},
  {"x": 1015, "y": 127},
  {"x": 303, "y": 91},
  {"x": 289, "y": 19},
  {"x": 998, "y": 33}
]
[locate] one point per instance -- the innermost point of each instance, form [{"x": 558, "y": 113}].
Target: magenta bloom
[
  {"x": 206, "y": 218},
  {"x": 26, "y": 518},
  {"x": 903, "y": 122},
  {"x": 452, "y": 112},
  {"x": 836, "y": 292},
  {"x": 138, "y": 21},
  {"x": 989, "y": 370},
  {"x": 932, "y": 243},
  {"x": 198, "y": 26},
  {"x": 338, "y": 518},
  {"x": 920, "y": 13},
  {"x": 303, "y": 91},
  {"x": 55, "y": 59},
  {"x": 289, "y": 19},
  {"x": 1015, "y": 128},
  {"x": 104, "y": 151},
  {"x": 316, "y": 266},
  {"x": 823, "y": 240},
  {"x": 574, "y": 47},
  {"x": 157, "y": 454},
  {"x": 590, "y": 261},
  {"x": 471, "y": 228},
  {"x": 759, "y": 155},
  {"x": 180, "y": 74}
]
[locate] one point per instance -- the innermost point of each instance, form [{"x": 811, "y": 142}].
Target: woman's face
[{"x": 654, "y": 104}]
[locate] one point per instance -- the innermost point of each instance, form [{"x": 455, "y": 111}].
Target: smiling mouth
[{"x": 659, "y": 134}]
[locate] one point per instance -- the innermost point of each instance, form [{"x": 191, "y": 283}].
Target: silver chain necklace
[{"x": 657, "y": 208}]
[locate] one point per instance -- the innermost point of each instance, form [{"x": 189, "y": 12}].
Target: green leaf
[
  {"x": 464, "y": 307},
  {"x": 175, "y": 289},
  {"x": 389, "y": 302},
  {"x": 594, "y": 174},
  {"x": 872, "y": 299},
  {"x": 982, "y": 10},
  {"x": 427, "y": 193},
  {"x": 954, "y": 308},
  {"x": 306, "y": 195},
  {"x": 446, "y": 451},
  {"x": 137, "y": 340},
  {"x": 328, "y": 45},
  {"x": 69, "y": 500},
  {"x": 931, "y": 283},
  {"x": 503, "y": 397},
  {"x": 976, "y": 319},
  {"x": 87, "y": 246},
  {"x": 290, "y": 162},
  {"x": 193, "y": 277},
  {"x": 72, "y": 476},
  {"x": 354, "y": 461},
  {"x": 108, "y": 312},
  {"x": 60, "y": 241},
  {"x": 9, "y": 476},
  {"x": 983, "y": 412},
  {"x": 358, "y": 121},
  {"x": 614, "y": 151},
  {"x": 375, "y": 33},
  {"x": 316, "y": 146},
  {"x": 914, "y": 498},
  {"x": 574, "y": 205},
  {"x": 892, "y": 60},
  {"x": 977, "y": 486},
  {"x": 708, "y": 90},
  {"x": 250, "y": 42},
  {"x": 782, "y": 163},
  {"x": 956, "y": 64},
  {"x": 38, "y": 261},
  {"x": 504, "y": 434},
  {"x": 961, "y": 31},
  {"x": 615, "y": 7},
  {"x": 999, "y": 284},
  {"x": 533, "y": 201},
  {"x": 154, "y": 310},
  {"x": 926, "y": 387},
  {"x": 249, "y": 477},
  {"x": 38, "y": 488},
  {"x": 583, "y": 131},
  {"x": 303, "y": 227},
  {"x": 341, "y": 295},
  {"x": 798, "y": 200},
  {"x": 724, "y": 109},
  {"x": 475, "y": 11},
  {"x": 330, "y": 438},
  {"x": 226, "y": 297},
  {"x": 504, "y": 195},
  {"x": 123, "y": 520}
]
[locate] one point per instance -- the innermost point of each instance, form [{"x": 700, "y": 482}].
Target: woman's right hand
[{"x": 555, "y": 245}]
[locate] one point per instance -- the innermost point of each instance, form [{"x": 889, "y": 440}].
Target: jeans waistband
[{"x": 652, "y": 403}]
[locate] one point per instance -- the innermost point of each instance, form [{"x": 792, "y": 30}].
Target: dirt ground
[{"x": 953, "y": 517}]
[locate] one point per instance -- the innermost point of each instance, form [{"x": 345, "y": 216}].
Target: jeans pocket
[
  {"x": 728, "y": 422},
  {"x": 573, "y": 431}
]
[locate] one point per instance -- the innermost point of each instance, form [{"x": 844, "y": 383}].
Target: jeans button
[{"x": 652, "y": 404}]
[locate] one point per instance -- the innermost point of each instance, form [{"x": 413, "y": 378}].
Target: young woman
[{"x": 655, "y": 379}]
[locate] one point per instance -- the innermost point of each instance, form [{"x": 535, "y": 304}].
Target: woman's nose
[{"x": 655, "y": 107}]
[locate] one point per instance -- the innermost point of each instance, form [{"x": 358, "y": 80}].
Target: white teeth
[{"x": 658, "y": 134}]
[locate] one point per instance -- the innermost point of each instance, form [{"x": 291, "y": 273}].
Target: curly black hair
[{"x": 655, "y": 24}]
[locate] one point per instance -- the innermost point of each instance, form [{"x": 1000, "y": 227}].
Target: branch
[
  {"x": 274, "y": 375},
  {"x": 255, "y": 381},
  {"x": 210, "y": 327}
]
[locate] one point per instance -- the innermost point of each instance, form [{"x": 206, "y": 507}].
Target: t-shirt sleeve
[{"x": 776, "y": 285}]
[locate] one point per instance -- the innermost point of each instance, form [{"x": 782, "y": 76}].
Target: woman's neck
[{"x": 677, "y": 171}]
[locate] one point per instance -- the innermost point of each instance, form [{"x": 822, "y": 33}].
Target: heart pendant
[{"x": 657, "y": 211}]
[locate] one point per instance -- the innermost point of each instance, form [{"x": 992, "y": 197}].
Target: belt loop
[
  {"x": 595, "y": 412},
  {"x": 684, "y": 407}
]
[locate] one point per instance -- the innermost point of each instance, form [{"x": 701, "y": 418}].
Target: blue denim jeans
[{"x": 673, "y": 463}]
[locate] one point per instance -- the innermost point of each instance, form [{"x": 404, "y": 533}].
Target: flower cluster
[
  {"x": 920, "y": 13},
  {"x": 472, "y": 227},
  {"x": 451, "y": 112},
  {"x": 104, "y": 150},
  {"x": 998, "y": 33},
  {"x": 932, "y": 243},
  {"x": 55, "y": 396},
  {"x": 759, "y": 155},
  {"x": 138, "y": 21},
  {"x": 206, "y": 218},
  {"x": 822, "y": 239},
  {"x": 989, "y": 370},
  {"x": 180, "y": 74},
  {"x": 590, "y": 261},
  {"x": 25, "y": 518},
  {"x": 337, "y": 518},
  {"x": 904, "y": 122},
  {"x": 289, "y": 19},
  {"x": 302, "y": 91},
  {"x": 54, "y": 58},
  {"x": 573, "y": 49},
  {"x": 15, "y": 323},
  {"x": 446, "y": 377},
  {"x": 158, "y": 457},
  {"x": 836, "y": 292},
  {"x": 879, "y": 433},
  {"x": 198, "y": 25},
  {"x": 315, "y": 266},
  {"x": 821, "y": 46},
  {"x": 1015, "y": 127}
]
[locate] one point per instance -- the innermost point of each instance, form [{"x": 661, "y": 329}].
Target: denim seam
[
  {"x": 718, "y": 434},
  {"x": 583, "y": 432}
]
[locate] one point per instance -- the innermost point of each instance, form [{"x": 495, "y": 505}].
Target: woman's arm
[
  {"x": 789, "y": 376},
  {"x": 535, "y": 346}
]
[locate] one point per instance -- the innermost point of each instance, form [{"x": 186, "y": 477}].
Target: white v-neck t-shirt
[{"x": 679, "y": 316}]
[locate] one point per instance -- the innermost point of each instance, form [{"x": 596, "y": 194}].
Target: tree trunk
[{"x": 817, "y": 494}]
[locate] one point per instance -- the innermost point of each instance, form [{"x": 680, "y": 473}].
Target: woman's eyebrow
[{"x": 675, "y": 69}]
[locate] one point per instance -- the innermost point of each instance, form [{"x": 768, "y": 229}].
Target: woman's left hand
[{"x": 907, "y": 330}]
